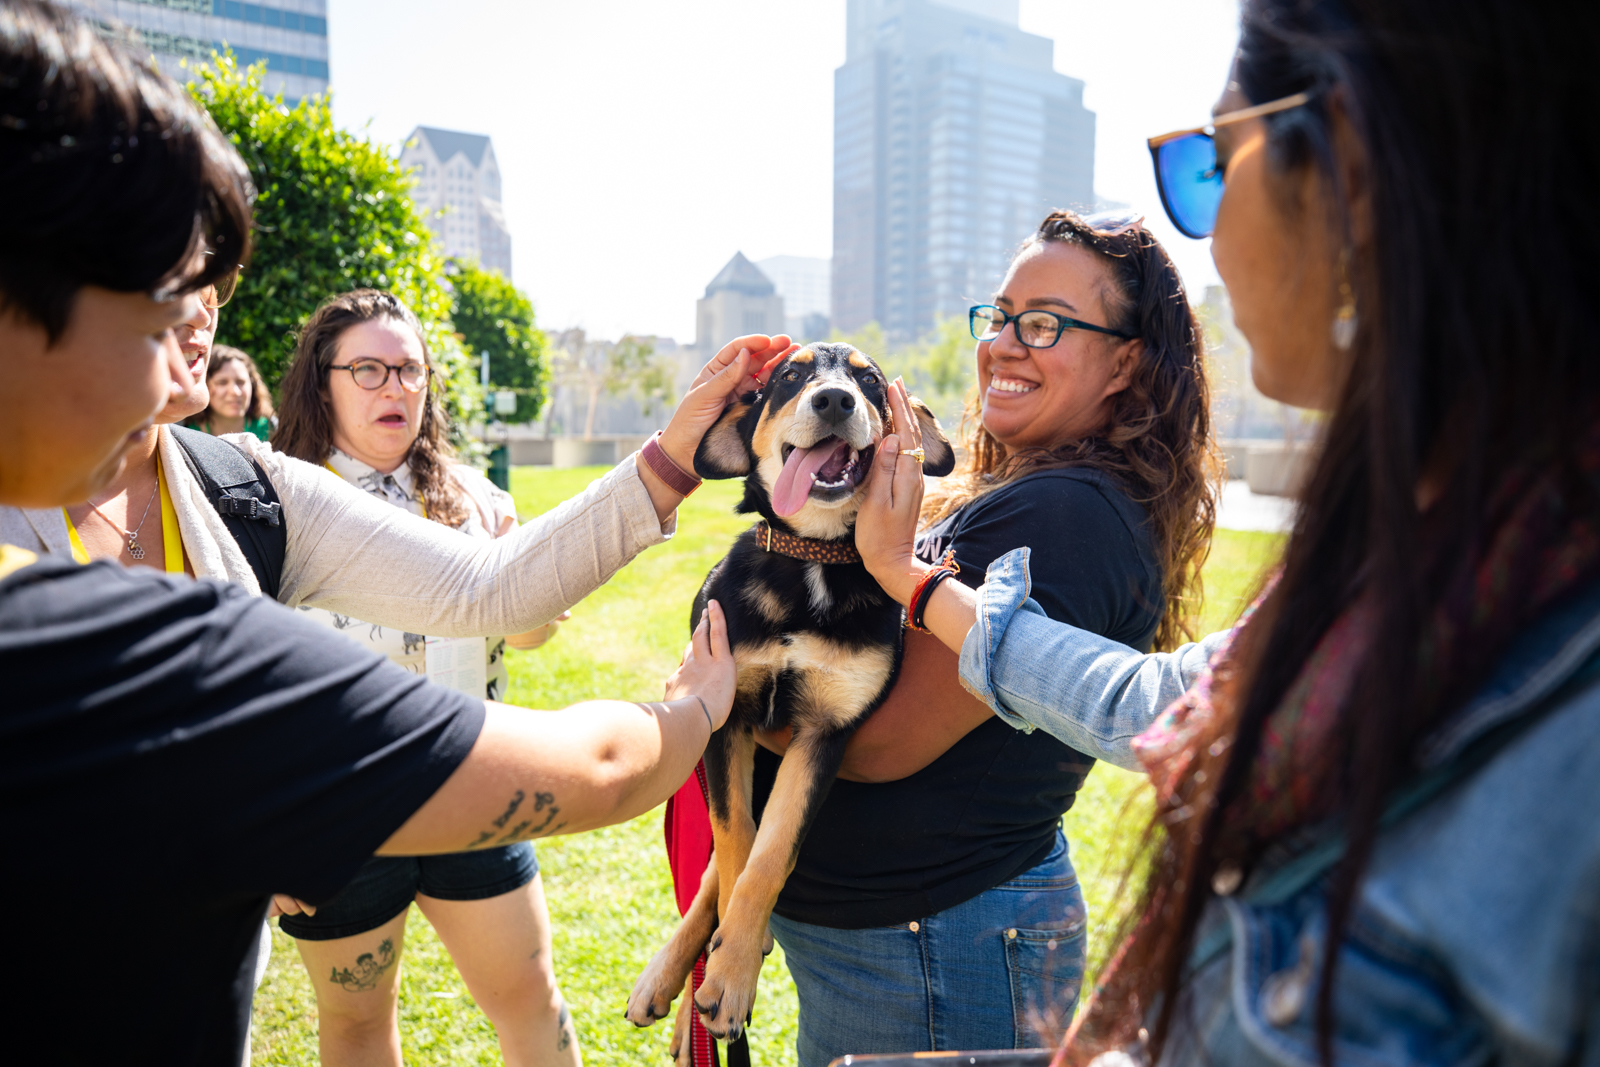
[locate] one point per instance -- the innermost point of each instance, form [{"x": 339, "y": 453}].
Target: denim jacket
[{"x": 1475, "y": 936}]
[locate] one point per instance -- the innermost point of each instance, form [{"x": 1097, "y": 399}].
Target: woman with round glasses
[
  {"x": 1374, "y": 836},
  {"x": 933, "y": 904},
  {"x": 357, "y": 400}
]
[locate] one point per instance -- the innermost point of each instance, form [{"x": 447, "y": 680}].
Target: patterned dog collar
[{"x": 810, "y": 549}]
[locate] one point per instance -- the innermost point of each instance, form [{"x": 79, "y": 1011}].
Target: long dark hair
[
  {"x": 305, "y": 415},
  {"x": 1157, "y": 441},
  {"x": 1473, "y": 362}
]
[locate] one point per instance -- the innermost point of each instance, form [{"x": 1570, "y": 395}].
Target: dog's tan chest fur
[{"x": 837, "y": 683}]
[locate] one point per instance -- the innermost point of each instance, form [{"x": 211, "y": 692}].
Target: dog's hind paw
[{"x": 682, "y": 1024}]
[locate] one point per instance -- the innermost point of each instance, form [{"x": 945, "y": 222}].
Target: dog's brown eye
[
  {"x": 791, "y": 375},
  {"x": 869, "y": 379}
]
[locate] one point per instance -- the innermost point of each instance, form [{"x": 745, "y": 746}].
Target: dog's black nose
[{"x": 833, "y": 405}]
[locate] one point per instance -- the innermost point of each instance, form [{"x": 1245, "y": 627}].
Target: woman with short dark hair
[{"x": 1374, "y": 837}]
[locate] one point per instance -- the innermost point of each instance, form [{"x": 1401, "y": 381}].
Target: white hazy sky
[{"x": 642, "y": 143}]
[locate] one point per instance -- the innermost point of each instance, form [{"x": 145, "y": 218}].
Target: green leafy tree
[
  {"x": 333, "y": 212},
  {"x": 495, "y": 318}
]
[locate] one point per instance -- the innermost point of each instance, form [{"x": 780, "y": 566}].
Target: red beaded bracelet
[
  {"x": 918, "y": 604},
  {"x": 655, "y": 457}
]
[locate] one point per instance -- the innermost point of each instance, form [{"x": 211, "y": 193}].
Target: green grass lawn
[{"x": 610, "y": 891}]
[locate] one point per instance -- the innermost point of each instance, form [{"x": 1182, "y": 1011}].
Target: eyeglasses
[
  {"x": 1036, "y": 329},
  {"x": 371, "y": 374},
  {"x": 1187, "y": 172},
  {"x": 220, "y": 291}
]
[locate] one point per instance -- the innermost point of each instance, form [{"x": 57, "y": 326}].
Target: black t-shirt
[
  {"x": 987, "y": 809},
  {"x": 171, "y": 753}
]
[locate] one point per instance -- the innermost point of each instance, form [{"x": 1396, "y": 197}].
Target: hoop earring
[{"x": 1345, "y": 319}]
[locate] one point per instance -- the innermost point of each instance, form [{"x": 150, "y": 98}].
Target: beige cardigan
[{"x": 351, "y": 553}]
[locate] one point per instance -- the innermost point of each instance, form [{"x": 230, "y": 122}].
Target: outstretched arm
[
  {"x": 361, "y": 557},
  {"x": 538, "y": 773}
]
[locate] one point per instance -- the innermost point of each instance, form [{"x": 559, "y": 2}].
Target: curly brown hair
[
  {"x": 305, "y": 416},
  {"x": 1157, "y": 441}
]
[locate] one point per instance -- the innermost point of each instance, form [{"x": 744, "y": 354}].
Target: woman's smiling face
[{"x": 1042, "y": 397}]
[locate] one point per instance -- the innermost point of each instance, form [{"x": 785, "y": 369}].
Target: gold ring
[{"x": 917, "y": 452}]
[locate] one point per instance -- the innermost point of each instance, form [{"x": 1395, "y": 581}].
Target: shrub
[{"x": 333, "y": 213}]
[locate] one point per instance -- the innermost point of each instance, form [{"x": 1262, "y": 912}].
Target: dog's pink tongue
[{"x": 794, "y": 481}]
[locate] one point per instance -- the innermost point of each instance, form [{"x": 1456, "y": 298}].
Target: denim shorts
[
  {"x": 387, "y": 885},
  {"x": 1001, "y": 970}
]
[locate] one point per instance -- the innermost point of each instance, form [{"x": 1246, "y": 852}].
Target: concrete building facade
[
  {"x": 291, "y": 35},
  {"x": 458, "y": 187},
  {"x": 953, "y": 137},
  {"x": 739, "y": 300}
]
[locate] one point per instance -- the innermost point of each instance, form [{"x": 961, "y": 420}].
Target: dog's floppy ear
[
  {"x": 723, "y": 451},
  {"x": 938, "y": 458}
]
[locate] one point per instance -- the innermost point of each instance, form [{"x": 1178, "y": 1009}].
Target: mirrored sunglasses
[{"x": 1187, "y": 174}]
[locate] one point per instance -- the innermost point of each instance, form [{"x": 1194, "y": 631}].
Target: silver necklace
[{"x": 135, "y": 549}]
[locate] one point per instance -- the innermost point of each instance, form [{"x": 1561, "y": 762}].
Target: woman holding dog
[
  {"x": 1374, "y": 837},
  {"x": 933, "y": 904}
]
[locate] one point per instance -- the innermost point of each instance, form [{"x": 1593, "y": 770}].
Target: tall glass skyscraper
[
  {"x": 291, "y": 35},
  {"x": 953, "y": 136}
]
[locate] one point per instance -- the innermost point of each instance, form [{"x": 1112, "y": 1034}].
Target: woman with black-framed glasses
[{"x": 1088, "y": 443}]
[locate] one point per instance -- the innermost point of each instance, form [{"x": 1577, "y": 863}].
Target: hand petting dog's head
[{"x": 806, "y": 441}]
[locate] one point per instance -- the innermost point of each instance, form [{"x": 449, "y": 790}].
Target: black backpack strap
[{"x": 242, "y": 494}]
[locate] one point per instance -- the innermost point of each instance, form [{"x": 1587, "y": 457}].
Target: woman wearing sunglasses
[
  {"x": 1088, "y": 441},
  {"x": 1374, "y": 838}
]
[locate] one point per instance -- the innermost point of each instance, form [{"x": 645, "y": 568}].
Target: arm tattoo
[{"x": 498, "y": 835}]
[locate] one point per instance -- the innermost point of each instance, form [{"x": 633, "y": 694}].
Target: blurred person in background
[
  {"x": 239, "y": 399},
  {"x": 1374, "y": 837}
]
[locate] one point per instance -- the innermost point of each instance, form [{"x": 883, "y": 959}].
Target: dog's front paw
[
  {"x": 728, "y": 991},
  {"x": 659, "y": 984}
]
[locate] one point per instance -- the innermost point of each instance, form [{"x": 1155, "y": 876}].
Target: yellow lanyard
[
  {"x": 171, "y": 535},
  {"x": 423, "y": 504}
]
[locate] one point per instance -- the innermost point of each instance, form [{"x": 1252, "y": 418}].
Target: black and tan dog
[{"x": 817, "y": 644}]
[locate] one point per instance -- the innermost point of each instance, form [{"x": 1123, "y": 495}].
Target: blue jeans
[{"x": 1001, "y": 970}]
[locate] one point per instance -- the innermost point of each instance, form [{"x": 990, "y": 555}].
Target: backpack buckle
[{"x": 248, "y": 507}]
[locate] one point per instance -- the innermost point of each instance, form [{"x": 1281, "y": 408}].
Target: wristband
[
  {"x": 677, "y": 479},
  {"x": 917, "y": 605},
  {"x": 927, "y": 595}
]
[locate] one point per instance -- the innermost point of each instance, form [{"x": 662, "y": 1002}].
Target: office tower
[
  {"x": 953, "y": 137},
  {"x": 806, "y": 285},
  {"x": 458, "y": 187},
  {"x": 291, "y": 35},
  {"x": 739, "y": 300}
]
